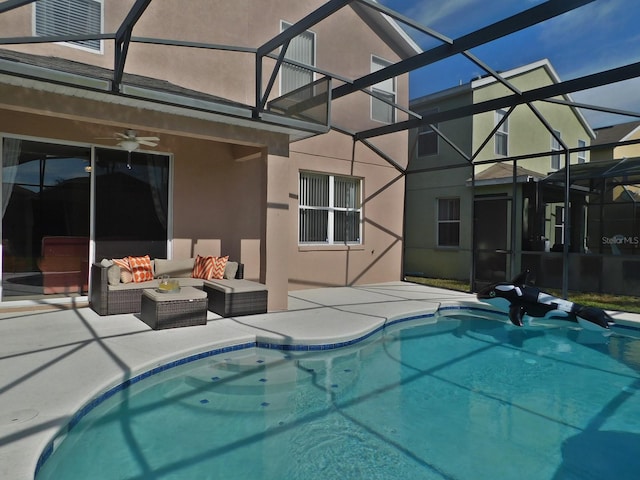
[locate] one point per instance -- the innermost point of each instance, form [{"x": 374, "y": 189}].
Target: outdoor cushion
[
  {"x": 230, "y": 270},
  {"x": 203, "y": 267},
  {"x": 113, "y": 274},
  {"x": 141, "y": 268},
  {"x": 125, "y": 269},
  {"x": 219, "y": 264},
  {"x": 179, "y": 268}
]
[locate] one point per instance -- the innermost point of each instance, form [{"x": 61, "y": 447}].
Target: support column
[{"x": 278, "y": 233}]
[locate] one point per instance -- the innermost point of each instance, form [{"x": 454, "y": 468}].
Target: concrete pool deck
[{"x": 52, "y": 362}]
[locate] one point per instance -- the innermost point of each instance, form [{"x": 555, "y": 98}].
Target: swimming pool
[{"x": 460, "y": 398}]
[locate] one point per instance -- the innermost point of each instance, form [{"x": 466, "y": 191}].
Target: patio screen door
[{"x": 492, "y": 240}]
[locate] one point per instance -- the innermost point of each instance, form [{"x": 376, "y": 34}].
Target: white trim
[
  {"x": 629, "y": 135},
  {"x": 331, "y": 209},
  {"x": 394, "y": 89},
  {"x": 401, "y": 33}
]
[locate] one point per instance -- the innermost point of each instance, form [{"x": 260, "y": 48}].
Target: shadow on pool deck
[{"x": 52, "y": 362}]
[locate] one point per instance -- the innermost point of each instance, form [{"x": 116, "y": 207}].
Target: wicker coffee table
[{"x": 170, "y": 310}]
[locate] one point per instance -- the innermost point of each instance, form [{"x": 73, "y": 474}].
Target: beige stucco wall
[
  {"x": 225, "y": 73},
  {"x": 218, "y": 196},
  {"x": 378, "y": 258},
  {"x": 235, "y": 188}
]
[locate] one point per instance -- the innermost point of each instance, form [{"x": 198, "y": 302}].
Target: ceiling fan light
[{"x": 129, "y": 145}]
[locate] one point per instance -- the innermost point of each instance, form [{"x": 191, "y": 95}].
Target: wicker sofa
[{"x": 109, "y": 297}]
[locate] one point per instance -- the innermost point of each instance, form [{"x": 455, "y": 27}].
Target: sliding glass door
[
  {"x": 47, "y": 216},
  {"x": 45, "y": 219},
  {"x": 131, "y": 204}
]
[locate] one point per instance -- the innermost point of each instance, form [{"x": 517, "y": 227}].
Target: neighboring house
[
  {"x": 267, "y": 183},
  {"x": 463, "y": 169},
  {"x": 605, "y": 148}
]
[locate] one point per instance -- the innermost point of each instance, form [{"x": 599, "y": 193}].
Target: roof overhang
[{"x": 60, "y": 82}]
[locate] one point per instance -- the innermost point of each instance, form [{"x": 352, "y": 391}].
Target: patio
[{"x": 76, "y": 354}]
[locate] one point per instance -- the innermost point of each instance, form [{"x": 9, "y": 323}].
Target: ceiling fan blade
[
  {"x": 148, "y": 139},
  {"x": 146, "y": 142}
]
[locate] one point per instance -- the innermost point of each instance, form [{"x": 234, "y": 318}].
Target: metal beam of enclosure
[
  {"x": 123, "y": 37},
  {"x": 543, "y": 93},
  {"x": 282, "y": 40},
  {"x": 520, "y": 21}
]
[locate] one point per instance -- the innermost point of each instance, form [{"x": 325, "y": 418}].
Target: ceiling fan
[{"x": 130, "y": 141}]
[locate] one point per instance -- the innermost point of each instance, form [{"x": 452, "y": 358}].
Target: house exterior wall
[
  {"x": 629, "y": 151},
  {"x": 443, "y": 177},
  {"x": 427, "y": 181},
  {"x": 235, "y": 189},
  {"x": 527, "y": 134}
]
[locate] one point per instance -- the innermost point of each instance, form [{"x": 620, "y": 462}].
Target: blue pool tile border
[{"x": 84, "y": 411}]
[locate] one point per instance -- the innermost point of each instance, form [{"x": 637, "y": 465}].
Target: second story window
[
  {"x": 556, "y": 147},
  {"x": 502, "y": 135},
  {"x": 380, "y": 110},
  {"x": 582, "y": 154},
  {"x": 427, "y": 138},
  {"x": 302, "y": 49},
  {"x": 70, "y": 17}
]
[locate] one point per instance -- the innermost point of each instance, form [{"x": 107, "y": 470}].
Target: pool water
[{"x": 460, "y": 398}]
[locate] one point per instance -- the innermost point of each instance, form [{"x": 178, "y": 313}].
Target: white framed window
[
  {"x": 448, "y": 230},
  {"x": 70, "y": 17},
  {"x": 555, "y": 147},
  {"x": 582, "y": 154},
  {"x": 427, "y": 137},
  {"x": 502, "y": 134},
  {"x": 330, "y": 209},
  {"x": 382, "y": 111},
  {"x": 302, "y": 49}
]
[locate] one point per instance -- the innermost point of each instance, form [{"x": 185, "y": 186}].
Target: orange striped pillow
[
  {"x": 125, "y": 269},
  {"x": 202, "y": 267},
  {"x": 219, "y": 264},
  {"x": 141, "y": 268}
]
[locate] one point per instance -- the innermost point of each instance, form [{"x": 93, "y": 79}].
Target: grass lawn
[{"x": 602, "y": 300}]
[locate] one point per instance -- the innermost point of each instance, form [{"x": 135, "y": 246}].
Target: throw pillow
[
  {"x": 231, "y": 270},
  {"x": 113, "y": 274},
  {"x": 202, "y": 267},
  {"x": 126, "y": 276},
  {"x": 141, "y": 268},
  {"x": 105, "y": 262},
  {"x": 219, "y": 264}
]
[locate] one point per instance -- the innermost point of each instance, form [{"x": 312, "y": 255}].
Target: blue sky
[{"x": 598, "y": 36}]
